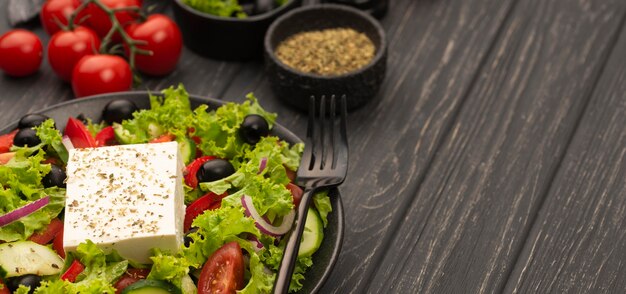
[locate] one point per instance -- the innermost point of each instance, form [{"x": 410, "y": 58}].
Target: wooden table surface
[{"x": 492, "y": 160}]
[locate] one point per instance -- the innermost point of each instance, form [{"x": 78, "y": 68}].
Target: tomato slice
[
  {"x": 163, "y": 138},
  {"x": 290, "y": 174},
  {"x": 106, "y": 137},
  {"x": 73, "y": 271},
  {"x": 5, "y": 157},
  {"x": 296, "y": 192},
  {"x": 210, "y": 201},
  {"x": 44, "y": 237},
  {"x": 131, "y": 276},
  {"x": 223, "y": 271},
  {"x": 3, "y": 288},
  {"x": 57, "y": 244},
  {"x": 78, "y": 134},
  {"x": 6, "y": 141},
  {"x": 192, "y": 169}
]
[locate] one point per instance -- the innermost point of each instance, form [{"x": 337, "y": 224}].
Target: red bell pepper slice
[
  {"x": 106, "y": 137},
  {"x": 192, "y": 169},
  {"x": 210, "y": 201},
  {"x": 5, "y": 157},
  {"x": 73, "y": 271},
  {"x": 6, "y": 141},
  {"x": 163, "y": 138},
  {"x": 46, "y": 235},
  {"x": 78, "y": 134},
  {"x": 3, "y": 288}
]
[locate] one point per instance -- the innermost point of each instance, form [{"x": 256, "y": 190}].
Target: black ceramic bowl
[
  {"x": 295, "y": 87},
  {"x": 227, "y": 38}
]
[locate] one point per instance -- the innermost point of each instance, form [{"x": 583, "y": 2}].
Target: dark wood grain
[
  {"x": 578, "y": 242},
  {"x": 470, "y": 218},
  {"x": 435, "y": 49}
]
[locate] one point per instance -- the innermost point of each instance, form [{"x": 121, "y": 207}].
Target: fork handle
[{"x": 287, "y": 264}]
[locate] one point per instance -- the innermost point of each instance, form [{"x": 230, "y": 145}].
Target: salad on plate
[{"x": 168, "y": 199}]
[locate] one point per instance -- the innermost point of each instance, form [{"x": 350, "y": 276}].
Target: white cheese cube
[{"x": 128, "y": 198}]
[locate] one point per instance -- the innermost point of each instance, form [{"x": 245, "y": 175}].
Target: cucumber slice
[
  {"x": 155, "y": 130},
  {"x": 122, "y": 135},
  {"x": 189, "y": 287},
  {"x": 313, "y": 234},
  {"x": 187, "y": 149},
  {"x": 27, "y": 257},
  {"x": 151, "y": 287}
]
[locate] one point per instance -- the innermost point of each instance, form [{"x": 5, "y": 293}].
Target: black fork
[{"x": 324, "y": 164}]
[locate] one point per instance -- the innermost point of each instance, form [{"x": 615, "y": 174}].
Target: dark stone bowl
[
  {"x": 295, "y": 87},
  {"x": 226, "y": 38}
]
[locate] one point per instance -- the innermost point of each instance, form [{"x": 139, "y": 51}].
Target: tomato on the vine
[
  {"x": 163, "y": 38},
  {"x": 223, "y": 271},
  {"x": 20, "y": 53},
  {"x": 99, "y": 20},
  {"x": 66, "y": 48},
  {"x": 54, "y": 12},
  {"x": 97, "y": 74}
]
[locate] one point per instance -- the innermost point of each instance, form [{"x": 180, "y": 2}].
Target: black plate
[{"x": 323, "y": 260}]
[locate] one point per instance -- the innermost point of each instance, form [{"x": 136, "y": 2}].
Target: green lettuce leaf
[
  {"x": 225, "y": 8},
  {"x": 167, "y": 267},
  {"x": 50, "y": 136},
  {"x": 322, "y": 204},
  {"x": 260, "y": 280}
]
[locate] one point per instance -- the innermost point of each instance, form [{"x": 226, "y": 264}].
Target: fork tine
[
  {"x": 320, "y": 152},
  {"x": 342, "y": 152},
  {"x": 307, "y": 154},
  {"x": 329, "y": 161}
]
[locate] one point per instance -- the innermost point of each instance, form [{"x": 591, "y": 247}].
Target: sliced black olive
[
  {"x": 31, "y": 120},
  {"x": 188, "y": 239},
  {"x": 55, "y": 178},
  {"x": 82, "y": 118},
  {"x": 30, "y": 280},
  {"x": 26, "y": 137},
  {"x": 118, "y": 110},
  {"x": 214, "y": 170},
  {"x": 253, "y": 128}
]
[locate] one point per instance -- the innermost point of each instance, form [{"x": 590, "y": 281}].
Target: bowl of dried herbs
[
  {"x": 325, "y": 49},
  {"x": 228, "y": 29}
]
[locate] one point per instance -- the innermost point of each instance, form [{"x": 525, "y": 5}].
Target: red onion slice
[
  {"x": 23, "y": 211},
  {"x": 262, "y": 224},
  {"x": 256, "y": 244},
  {"x": 262, "y": 165},
  {"x": 67, "y": 143}
]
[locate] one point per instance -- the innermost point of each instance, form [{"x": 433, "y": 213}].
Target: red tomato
[
  {"x": 3, "y": 288},
  {"x": 78, "y": 134},
  {"x": 54, "y": 11},
  {"x": 5, "y": 157},
  {"x": 97, "y": 74},
  {"x": 6, "y": 141},
  {"x": 20, "y": 53},
  {"x": 66, "y": 48},
  {"x": 131, "y": 276},
  {"x": 162, "y": 37},
  {"x": 100, "y": 21},
  {"x": 223, "y": 271},
  {"x": 290, "y": 174},
  {"x": 47, "y": 234},
  {"x": 73, "y": 271},
  {"x": 296, "y": 192},
  {"x": 192, "y": 169},
  {"x": 209, "y": 201},
  {"x": 57, "y": 244},
  {"x": 163, "y": 138},
  {"x": 106, "y": 137}
]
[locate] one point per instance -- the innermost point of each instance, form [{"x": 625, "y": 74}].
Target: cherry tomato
[
  {"x": 6, "y": 141},
  {"x": 48, "y": 233},
  {"x": 54, "y": 11},
  {"x": 78, "y": 134},
  {"x": 131, "y": 276},
  {"x": 97, "y": 74},
  {"x": 163, "y": 39},
  {"x": 296, "y": 192},
  {"x": 192, "y": 169},
  {"x": 20, "y": 53},
  {"x": 209, "y": 201},
  {"x": 73, "y": 271},
  {"x": 106, "y": 137},
  {"x": 223, "y": 271},
  {"x": 5, "y": 157},
  {"x": 66, "y": 48},
  {"x": 100, "y": 22},
  {"x": 57, "y": 244},
  {"x": 163, "y": 138}
]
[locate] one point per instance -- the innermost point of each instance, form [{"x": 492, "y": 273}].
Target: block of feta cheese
[{"x": 128, "y": 198}]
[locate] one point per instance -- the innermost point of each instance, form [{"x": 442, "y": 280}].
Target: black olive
[
  {"x": 188, "y": 239},
  {"x": 253, "y": 128},
  {"x": 82, "y": 118},
  {"x": 26, "y": 137},
  {"x": 214, "y": 170},
  {"x": 30, "y": 280},
  {"x": 118, "y": 110},
  {"x": 55, "y": 178},
  {"x": 31, "y": 120}
]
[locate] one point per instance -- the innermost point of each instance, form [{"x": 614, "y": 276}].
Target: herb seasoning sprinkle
[{"x": 327, "y": 52}]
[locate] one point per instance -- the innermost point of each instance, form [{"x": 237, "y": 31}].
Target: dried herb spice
[{"x": 327, "y": 52}]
